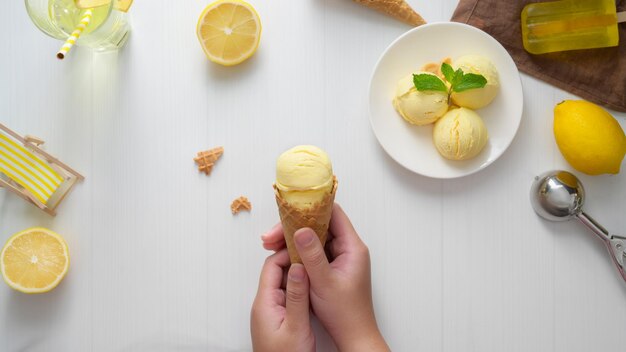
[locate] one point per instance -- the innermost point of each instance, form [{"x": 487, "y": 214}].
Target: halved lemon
[
  {"x": 229, "y": 31},
  {"x": 34, "y": 260}
]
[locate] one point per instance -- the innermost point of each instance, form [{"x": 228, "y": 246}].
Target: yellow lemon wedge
[
  {"x": 590, "y": 139},
  {"x": 122, "y": 5},
  {"x": 34, "y": 260},
  {"x": 229, "y": 31}
]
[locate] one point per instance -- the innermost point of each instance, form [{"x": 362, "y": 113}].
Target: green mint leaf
[
  {"x": 447, "y": 71},
  {"x": 469, "y": 81},
  {"x": 458, "y": 77},
  {"x": 426, "y": 81}
]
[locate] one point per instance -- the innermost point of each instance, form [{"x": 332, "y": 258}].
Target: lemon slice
[
  {"x": 120, "y": 5},
  {"x": 88, "y": 4},
  {"x": 34, "y": 260},
  {"x": 229, "y": 31}
]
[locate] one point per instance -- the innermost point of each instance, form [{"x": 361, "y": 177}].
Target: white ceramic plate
[{"x": 412, "y": 146}]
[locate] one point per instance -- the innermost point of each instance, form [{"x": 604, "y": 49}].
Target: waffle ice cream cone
[
  {"x": 294, "y": 217},
  {"x": 305, "y": 192},
  {"x": 397, "y": 9}
]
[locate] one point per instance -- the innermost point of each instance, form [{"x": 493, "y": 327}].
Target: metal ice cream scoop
[{"x": 559, "y": 196}]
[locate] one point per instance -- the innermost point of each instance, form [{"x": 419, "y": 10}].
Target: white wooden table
[{"x": 160, "y": 264}]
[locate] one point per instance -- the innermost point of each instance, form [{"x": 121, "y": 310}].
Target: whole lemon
[{"x": 589, "y": 138}]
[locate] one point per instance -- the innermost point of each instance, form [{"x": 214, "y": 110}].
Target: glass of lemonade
[{"x": 108, "y": 30}]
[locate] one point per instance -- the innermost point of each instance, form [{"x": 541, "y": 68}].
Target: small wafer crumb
[
  {"x": 239, "y": 204},
  {"x": 435, "y": 67},
  {"x": 206, "y": 159}
]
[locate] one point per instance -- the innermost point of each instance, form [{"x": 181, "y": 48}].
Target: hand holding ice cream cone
[{"x": 305, "y": 192}]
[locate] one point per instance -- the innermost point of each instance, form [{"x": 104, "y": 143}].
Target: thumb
[
  {"x": 297, "y": 298},
  {"x": 313, "y": 256}
]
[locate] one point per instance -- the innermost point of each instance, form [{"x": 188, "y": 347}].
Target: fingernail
[
  {"x": 304, "y": 237},
  {"x": 296, "y": 272}
]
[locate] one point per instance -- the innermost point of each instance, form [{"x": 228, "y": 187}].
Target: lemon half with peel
[
  {"x": 229, "y": 31},
  {"x": 590, "y": 139},
  {"x": 34, "y": 260}
]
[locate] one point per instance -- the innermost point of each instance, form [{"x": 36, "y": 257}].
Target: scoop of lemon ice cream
[
  {"x": 478, "y": 97},
  {"x": 419, "y": 107},
  {"x": 304, "y": 175},
  {"x": 460, "y": 134}
]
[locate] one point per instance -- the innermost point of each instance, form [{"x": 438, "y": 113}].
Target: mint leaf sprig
[
  {"x": 459, "y": 81},
  {"x": 425, "y": 81}
]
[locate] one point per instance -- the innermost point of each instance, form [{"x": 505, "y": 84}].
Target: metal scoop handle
[{"x": 615, "y": 244}]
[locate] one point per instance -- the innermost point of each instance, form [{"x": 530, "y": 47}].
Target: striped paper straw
[{"x": 75, "y": 34}]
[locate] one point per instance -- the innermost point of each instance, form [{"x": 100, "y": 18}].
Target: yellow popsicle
[{"x": 570, "y": 25}]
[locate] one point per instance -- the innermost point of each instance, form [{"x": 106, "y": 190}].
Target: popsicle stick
[{"x": 621, "y": 17}]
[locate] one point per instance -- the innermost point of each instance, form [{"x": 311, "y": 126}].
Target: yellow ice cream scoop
[
  {"x": 419, "y": 107},
  {"x": 479, "y": 97},
  {"x": 304, "y": 175},
  {"x": 460, "y": 134}
]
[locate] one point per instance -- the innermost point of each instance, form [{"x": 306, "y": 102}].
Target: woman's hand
[
  {"x": 341, "y": 292},
  {"x": 280, "y": 312}
]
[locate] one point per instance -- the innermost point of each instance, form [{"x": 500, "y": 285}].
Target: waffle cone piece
[
  {"x": 397, "y": 9},
  {"x": 293, "y": 218}
]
